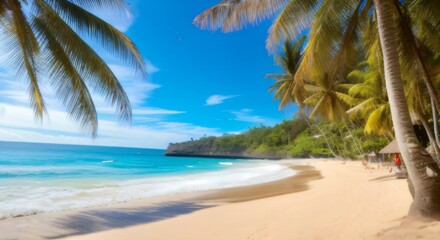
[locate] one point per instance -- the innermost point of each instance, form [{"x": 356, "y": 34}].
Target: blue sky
[{"x": 199, "y": 83}]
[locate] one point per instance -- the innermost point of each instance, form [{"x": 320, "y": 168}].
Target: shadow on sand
[{"x": 90, "y": 221}]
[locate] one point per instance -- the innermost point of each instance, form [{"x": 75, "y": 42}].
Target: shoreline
[
  {"x": 71, "y": 194},
  {"x": 131, "y": 213},
  {"x": 329, "y": 199},
  {"x": 296, "y": 183},
  {"x": 349, "y": 202}
]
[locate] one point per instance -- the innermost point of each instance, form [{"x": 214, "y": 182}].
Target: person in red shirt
[{"x": 397, "y": 161}]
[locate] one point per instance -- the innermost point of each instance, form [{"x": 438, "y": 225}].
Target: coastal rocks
[{"x": 208, "y": 148}]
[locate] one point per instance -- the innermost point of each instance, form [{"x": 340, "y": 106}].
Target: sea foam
[{"x": 29, "y": 198}]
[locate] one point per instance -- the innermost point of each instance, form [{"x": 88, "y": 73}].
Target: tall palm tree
[
  {"x": 43, "y": 39},
  {"x": 422, "y": 169},
  {"x": 334, "y": 30},
  {"x": 370, "y": 87}
]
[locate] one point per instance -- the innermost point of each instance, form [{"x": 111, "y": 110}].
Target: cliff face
[{"x": 208, "y": 149}]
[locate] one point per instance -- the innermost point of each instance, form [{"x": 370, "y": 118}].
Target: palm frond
[
  {"x": 347, "y": 50},
  {"x": 325, "y": 34},
  {"x": 67, "y": 82},
  {"x": 426, "y": 15},
  {"x": 29, "y": 49},
  {"x": 379, "y": 121},
  {"x": 363, "y": 108},
  {"x": 118, "y": 5},
  {"x": 90, "y": 65},
  {"x": 347, "y": 99},
  {"x": 111, "y": 38},
  {"x": 231, "y": 15},
  {"x": 295, "y": 17}
]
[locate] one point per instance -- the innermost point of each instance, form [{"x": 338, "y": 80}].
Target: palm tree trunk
[
  {"x": 435, "y": 120},
  {"x": 431, "y": 137},
  {"x": 422, "y": 169},
  {"x": 423, "y": 70}
]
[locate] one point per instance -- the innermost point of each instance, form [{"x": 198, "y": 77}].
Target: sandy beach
[
  {"x": 326, "y": 200},
  {"x": 349, "y": 202}
]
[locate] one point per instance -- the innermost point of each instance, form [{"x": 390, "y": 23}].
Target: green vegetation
[
  {"x": 369, "y": 62},
  {"x": 294, "y": 138}
]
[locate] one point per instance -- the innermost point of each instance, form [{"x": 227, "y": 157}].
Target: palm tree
[
  {"x": 286, "y": 88},
  {"x": 373, "y": 105},
  {"x": 43, "y": 40},
  {"x": 422, "y": 169},
  {"x": 334, "y": 30},
  {"x": 369, "y": 87}
]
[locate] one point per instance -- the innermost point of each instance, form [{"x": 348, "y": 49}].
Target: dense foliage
[
  {"x": 295, "y": 138},
  {"x": 373, "y": 62}
]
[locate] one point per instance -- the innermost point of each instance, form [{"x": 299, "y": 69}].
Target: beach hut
[
  {"x": 390, "y": 148},
  {"x": 393, "y": 148}
]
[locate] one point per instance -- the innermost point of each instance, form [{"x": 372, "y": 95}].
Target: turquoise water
[{"x": 37, "y": 178}]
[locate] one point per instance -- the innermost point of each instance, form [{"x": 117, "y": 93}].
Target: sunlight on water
[{"x": 44, "y": 177}]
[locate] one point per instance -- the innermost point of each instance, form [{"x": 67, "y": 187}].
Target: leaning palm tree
[
  {"x": 333, "y": 31},
  {"x": 43, "y": 40}
]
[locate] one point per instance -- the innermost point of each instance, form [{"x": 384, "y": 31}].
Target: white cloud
[
  {"x": 17, "y": 124},
  {"x": 245, "y": 115},
  {"x": 13, "y": 90},
  {"x": 137, "y": 89},
  {"x": 120, "y": 19},
  {"x": 218, "y": 99}
]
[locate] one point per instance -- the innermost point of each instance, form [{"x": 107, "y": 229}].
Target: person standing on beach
[{"x": 397, "y": 161}]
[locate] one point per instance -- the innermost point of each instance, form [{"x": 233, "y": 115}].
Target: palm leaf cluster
[
  {"x": 43, "y": 40},
  {"x": 338, "y": 73},
  {"x": 343, "y": 52}
]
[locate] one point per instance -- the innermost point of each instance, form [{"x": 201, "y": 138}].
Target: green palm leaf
[
  {"x": 43, "y": 41},
  {"x": 67, "y": 82},
  {"x": 284, "y": 29},
  {"x": 29, "y": 49},
  {"x": 108, "y": 36},
  {"x": 89, "y": 64}
]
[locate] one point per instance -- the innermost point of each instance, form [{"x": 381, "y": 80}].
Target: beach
[
  {"x": 331, "y": 199},
  {"x": 349, "y": 202}
]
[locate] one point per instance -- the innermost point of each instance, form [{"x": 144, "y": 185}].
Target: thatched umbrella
[{"x": 390, "y": 148}]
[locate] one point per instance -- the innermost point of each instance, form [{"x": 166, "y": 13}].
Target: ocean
[{"x": 36, "y": 178}]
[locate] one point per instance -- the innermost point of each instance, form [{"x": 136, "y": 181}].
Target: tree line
[{"x": 297, "y": 139}]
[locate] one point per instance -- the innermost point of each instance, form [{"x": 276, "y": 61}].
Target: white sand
[{"x": 350, "y": 202}]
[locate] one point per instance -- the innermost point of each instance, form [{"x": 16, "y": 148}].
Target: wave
[
  {"x": 109, "y": 161},
  {"x": 59, "y": 196},
  {"x": 226, "y": 163}
]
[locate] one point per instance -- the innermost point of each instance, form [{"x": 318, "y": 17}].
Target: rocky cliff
[{"x": 207, "y": 149}]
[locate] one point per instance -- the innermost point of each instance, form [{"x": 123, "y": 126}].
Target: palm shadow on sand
[{"x": 90, "y": 221}]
